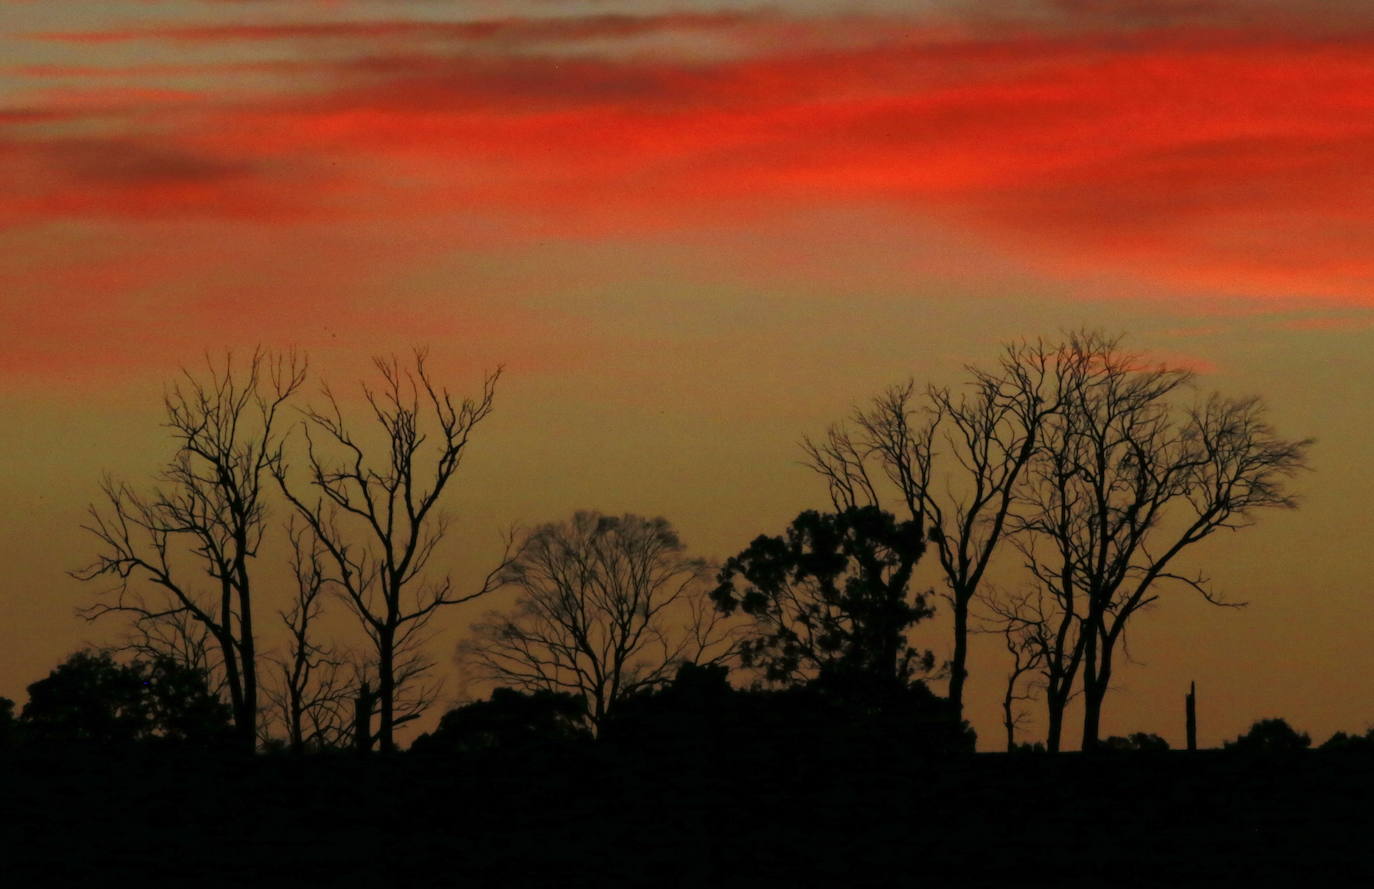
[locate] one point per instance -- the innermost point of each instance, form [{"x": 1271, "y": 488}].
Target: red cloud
[{"x": 1238, "y": 161}]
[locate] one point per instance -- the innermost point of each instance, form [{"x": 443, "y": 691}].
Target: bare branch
[{"x": 375, "y": 516}]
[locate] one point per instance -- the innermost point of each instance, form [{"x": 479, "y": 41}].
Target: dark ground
[{"x": 584, "y": 817}]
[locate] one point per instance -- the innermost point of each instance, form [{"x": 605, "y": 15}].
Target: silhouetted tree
[
  {"x": 375, "y": 513},
  {"x": 690, "y": 711},
  {"x": 1270, "y": 736},
  {"x": 9, "y": 725},
  {"x": 316, "y": 683},
  {"x": 182, "y": 705},
  {"x": 1136, "y": 742},
  {"x": 1026, "y": 656},
  {"x": 1123, "y": 480},
  {"x": 209, "y": 512},
  {"x": 88, "y": 697},
  {"x": 92, "y": 698},
  {"x": 830, "y": 597},
  {"x": 508, "y": 721},
  {"x": 700, "y": 720},
  {"x": 1342, "y": 741},
  {"x": 608, "y": 606},
  {"x": 953, "y": 459},
  {"x": 1047, "y": 635}
]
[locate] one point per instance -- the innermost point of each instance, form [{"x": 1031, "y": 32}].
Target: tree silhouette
[
  {"x": 1136, "y": 742},
  {"x": 375, "y": 513},
  {"x": 1342, "y": 741},
  {"x": 92, "y": 698},
  {"x": 1026, "y": 655},
  {"x": 829, "y": 598},
  {"x": 9, "y": 725},
  {"x": 508, "y": 721},
  {"x": 952, "y": 459},
  {"x": 1270, "y": 736},
  {"x": 209, "y": 507},
  {"x": 1124, "y": 479},
  {"x": 317, "y": 682},
  {"x": 608, "y": 605}
]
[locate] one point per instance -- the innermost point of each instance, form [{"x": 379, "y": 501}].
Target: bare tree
[
  {"x": 375, "y": 513},
  {"x": 1043, "y": 633},
  {"x": 1127, "y": 477},
  {"x": 316, "y": 682},
  {"x": 953, "y": 460},
  {"x": 1023, "y": 643},
  {"x": 204, "y": 521},
  {"x": 180, "y": 638},
  {"x": 608, "y": 606}
]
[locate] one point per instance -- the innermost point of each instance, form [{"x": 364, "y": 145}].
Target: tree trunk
[
  {"x": 229, "y": 652},
  {"x": 1056, "y": 727},
  {"x": 295, "y": 714},
  {"x": 297, "y": 734},
  {"x": 248, "y": 730},
  {"x": 386, "y": 691},
  {"x": 1097, "y": 677},
  {"x": 1092, "y": 715},
  {"x": 957, "y": 672},
  {"x": 1094, "y": 693},
  {"x": 362, "y": 720}
]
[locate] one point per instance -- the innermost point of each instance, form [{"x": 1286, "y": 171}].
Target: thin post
[{"x": 1191, "y": 702}]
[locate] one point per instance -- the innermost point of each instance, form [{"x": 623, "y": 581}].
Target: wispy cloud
[{"x": 524, "y": 30}]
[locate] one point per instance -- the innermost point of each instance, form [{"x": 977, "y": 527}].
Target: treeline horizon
[
  {"x": 1087, "y": 468},
  {"x": 92, "y": 703}
]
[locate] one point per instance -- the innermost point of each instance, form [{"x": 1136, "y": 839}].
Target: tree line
[{"x": 1078, "y": 467}]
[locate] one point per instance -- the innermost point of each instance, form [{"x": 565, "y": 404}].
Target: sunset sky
[{"x": 694, "y": 231}]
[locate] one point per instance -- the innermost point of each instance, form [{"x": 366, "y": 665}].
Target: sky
[{"x": 694, "y": 232}]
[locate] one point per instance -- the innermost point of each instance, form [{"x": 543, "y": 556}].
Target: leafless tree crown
[
  {"x": 375, "y": 512},
  {"x": 607, "y": 606},
  {"x": 316, "y": 682},
  {"x": 208, "y": 511},
  {"x": 951, "y": 461},
  {"x": 1131, "y": 471}
]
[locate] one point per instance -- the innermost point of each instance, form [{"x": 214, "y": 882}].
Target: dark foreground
[{"x": 583, "y": 817}]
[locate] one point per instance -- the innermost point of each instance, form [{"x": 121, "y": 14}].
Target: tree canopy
[
  {"x": 90, "y": 697},
  {"x": 830, "y": 597}
]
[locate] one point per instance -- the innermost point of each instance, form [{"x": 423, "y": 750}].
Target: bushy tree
[
  {"x": 509, "y": 720},
  {"x": 9, "y": 726},
  {"x": 829, "y": 598},
  {"x": 701, "y": 718},
  {"x": 1136, "y": 742},
  {"x": 1343, "y": 741},
  {"x": 92, "y": 698},
  {"x": 1270, "y": 736}
]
